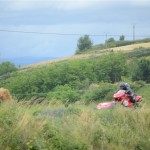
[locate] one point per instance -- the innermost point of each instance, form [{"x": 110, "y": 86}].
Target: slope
[{"x": 92, "y": 54}]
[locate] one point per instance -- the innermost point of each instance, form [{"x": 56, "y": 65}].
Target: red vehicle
[{"x": 123, "y": 98}]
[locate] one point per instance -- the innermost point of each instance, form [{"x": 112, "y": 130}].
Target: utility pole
[
  {"x": 106, "y": 41},
  {"x": 133, "y": 32}
]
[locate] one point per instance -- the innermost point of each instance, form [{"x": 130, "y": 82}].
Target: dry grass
[
  {"x": 5, "y": 95},
  {"x": 131, "y": 47}
]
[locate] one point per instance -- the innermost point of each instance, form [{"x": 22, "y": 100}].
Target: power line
[
  {"x": 67, "y": 34},
  {"x": 33, "y": 32}
]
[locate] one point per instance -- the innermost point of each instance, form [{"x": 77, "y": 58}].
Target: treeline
[
  {"x": 78, "y": 79},
  {"x": 85, "y": 43}
]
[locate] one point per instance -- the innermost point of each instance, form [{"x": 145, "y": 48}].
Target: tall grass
[{"x": 76, "y": 127}]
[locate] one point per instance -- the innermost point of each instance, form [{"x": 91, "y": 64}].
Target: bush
[
  {"x": 77, "y": 74},
  {"x": 7, "y": 67},
  {"x": 142, "y": 71},
  {"x": 139, "y": 52},
  {"x": 137, "y": 85},
  {"x": 99, "y": 92},
  {"x": 64, "y": 93},
  {"x": 111, "y": 42}
]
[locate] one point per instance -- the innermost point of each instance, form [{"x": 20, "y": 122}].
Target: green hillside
[
  {"x": 80, "y": 79},
  {"x": 84, "y": 76},
  {"x": 54, "y": 105}
]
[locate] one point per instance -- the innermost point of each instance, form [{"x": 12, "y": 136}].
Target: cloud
[
  {"x": 141, "y": 3},
  {"x": 21, "y": 5},
  {"x": 30, "y": 15},
  {"x": 49, "y": 4}
]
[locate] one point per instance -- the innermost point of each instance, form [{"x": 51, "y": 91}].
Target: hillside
[
  {"x": 55, "y": 105},
  {"x": 92, "y": 53},
  {"x": 81, "y": 77}
]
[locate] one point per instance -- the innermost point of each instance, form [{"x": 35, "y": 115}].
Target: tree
[
  {"x": 84, "y": 43},
  {"x": 122, "y": 38},
  {"x": 141, "y": 70},
  {"x": 111, "y": 42},
  {"x": 7, "y": 67}
]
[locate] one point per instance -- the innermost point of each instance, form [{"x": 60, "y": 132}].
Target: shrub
[
  {"x": 137, "y": 85},
  {"x": 99, "y": 92},
  {"x": 142, "y": 71},
  {"x": 7, "y": 67},
  {"x": 64, "y": 93}
]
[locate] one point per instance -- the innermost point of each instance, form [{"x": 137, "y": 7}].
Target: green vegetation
[
  {"x": 67, "y": 119},
  {"x": 111, "y": 42},
  {"x": 53, "y": 126},
  {"x": 72, "y": 80},
  {"x": 103, "y": 92},
  {"x": 78, "y": 75},
  {"x": 7, "y": 67},
  {"x": 142, "y": 70},
  {"x": 122, "y": 38},
  {"x": 139, "y": 52},
  {"x": 84, "y": 43},
  {"x": 65, "y": 93}
]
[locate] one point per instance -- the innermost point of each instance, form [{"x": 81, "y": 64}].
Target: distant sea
[{"x": 24, "y": 61}]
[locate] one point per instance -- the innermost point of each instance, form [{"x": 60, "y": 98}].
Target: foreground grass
[{"x": 76, "y": 127}]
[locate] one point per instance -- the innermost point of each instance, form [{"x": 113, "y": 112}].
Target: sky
[{"x": 51, "y": 28}]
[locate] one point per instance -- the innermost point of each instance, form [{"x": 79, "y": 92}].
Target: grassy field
[{"x": 52, "y": 126}]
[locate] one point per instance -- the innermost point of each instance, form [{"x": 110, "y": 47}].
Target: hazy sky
[{"x": 93, "y": 17}]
